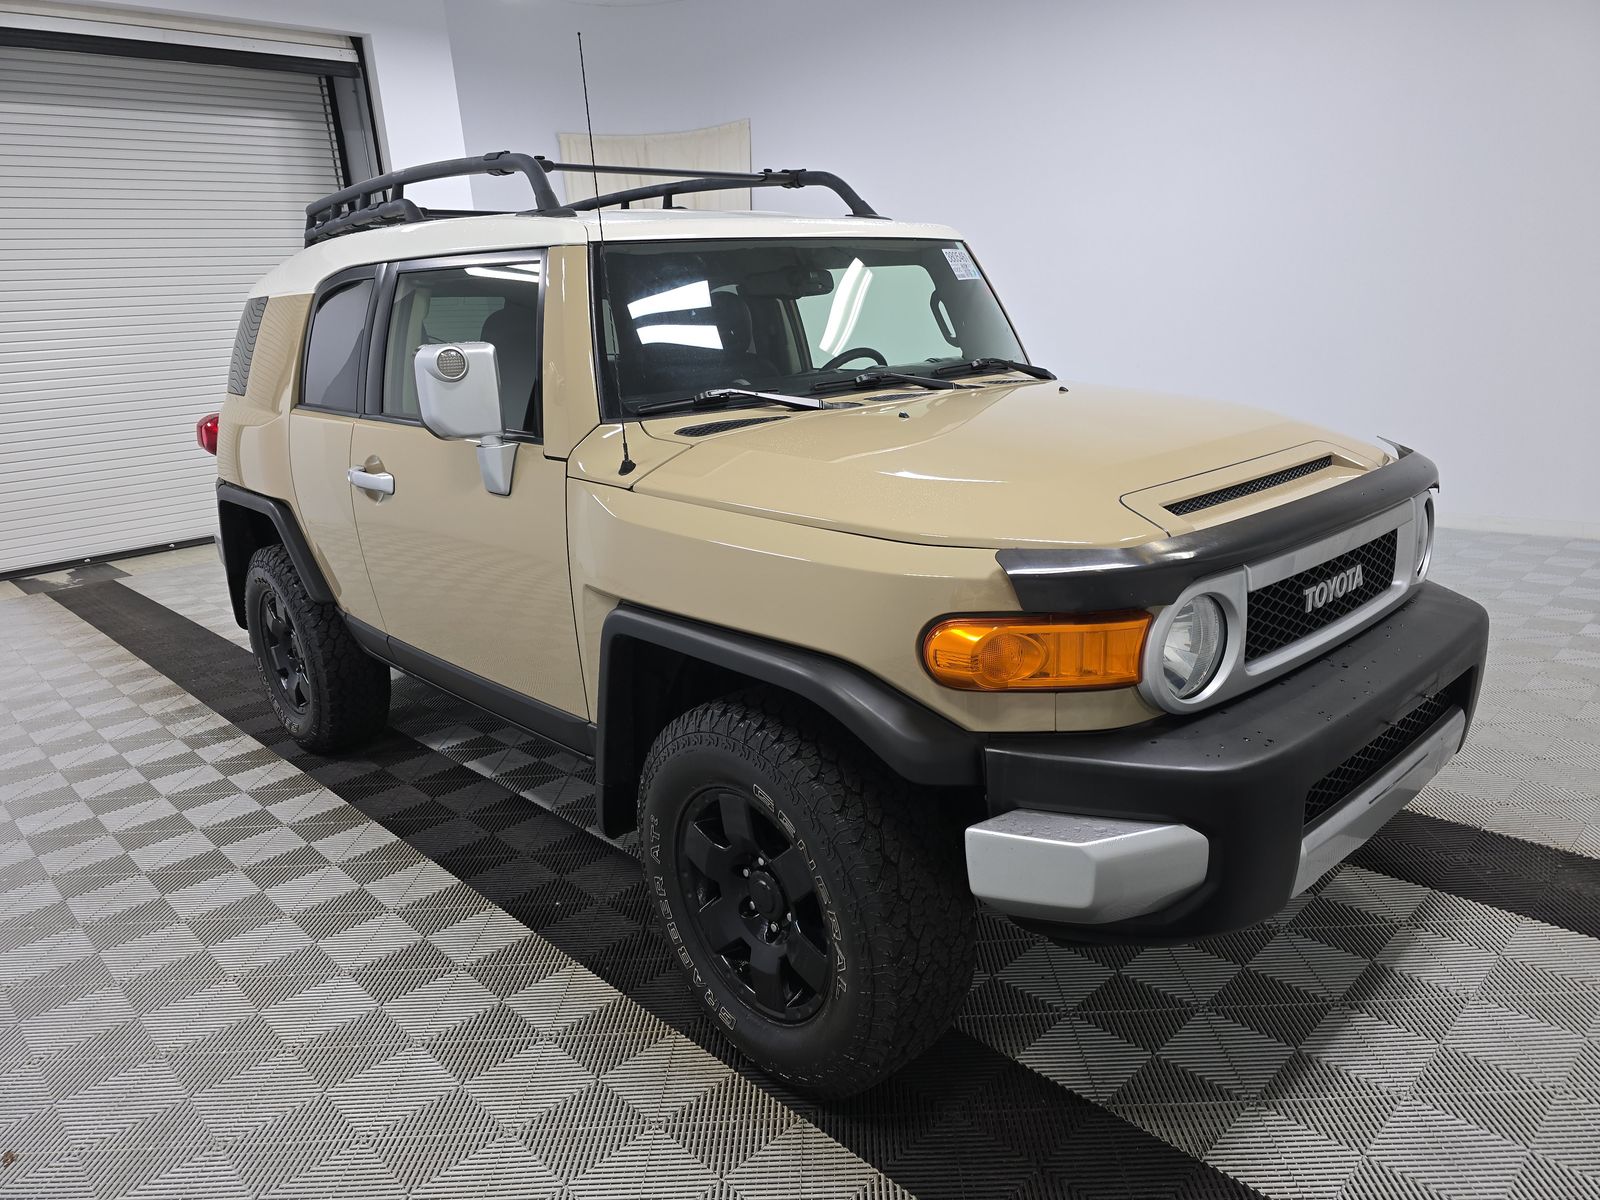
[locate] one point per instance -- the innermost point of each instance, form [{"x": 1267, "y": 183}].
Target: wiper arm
[
  {"x": 872, "y": 379},
  {"x": 978, "y": 366},
  {"x": 722, "y": 397}
]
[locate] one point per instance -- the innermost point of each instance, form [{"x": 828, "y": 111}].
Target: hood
[{"x": 1027, "y": 464}]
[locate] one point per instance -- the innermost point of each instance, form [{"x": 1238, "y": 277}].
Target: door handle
[{"x": 371, "y": 481}]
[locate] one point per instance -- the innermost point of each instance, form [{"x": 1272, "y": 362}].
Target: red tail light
[{"x": 205, "y": 432}]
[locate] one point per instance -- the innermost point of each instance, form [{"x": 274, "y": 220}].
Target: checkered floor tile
[
  {"x": 218, "y": 974},
  {"x": 231, "y": 967},
  {"x": 1532, "y": 767}
]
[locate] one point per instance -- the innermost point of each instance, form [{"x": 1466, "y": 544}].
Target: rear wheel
[
  {"x": 816, "y": 905},
  {"x": 329, "y": 693}
]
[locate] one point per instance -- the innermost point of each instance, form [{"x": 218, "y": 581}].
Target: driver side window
[{"x": 496, "y": 303}]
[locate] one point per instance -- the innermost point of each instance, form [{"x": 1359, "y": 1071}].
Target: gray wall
[{"x": 1382, "y": 216}]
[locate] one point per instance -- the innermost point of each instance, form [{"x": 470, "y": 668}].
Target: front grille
[
  {"x": 1334, "y": 788},
  {"x": 1249, "y": 488},
  {"x": 1278, "y": 612}
]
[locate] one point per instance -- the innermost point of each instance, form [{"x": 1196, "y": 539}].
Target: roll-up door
[{"x": 140, "y": 198}]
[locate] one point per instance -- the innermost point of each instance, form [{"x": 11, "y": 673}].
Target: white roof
[{"x": 303, "y": 271}]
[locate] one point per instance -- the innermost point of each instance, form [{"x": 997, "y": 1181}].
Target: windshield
[{"x": 679, "y": 318}]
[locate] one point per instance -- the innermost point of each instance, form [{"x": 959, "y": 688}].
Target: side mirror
[{"x": 458, "y": 390}]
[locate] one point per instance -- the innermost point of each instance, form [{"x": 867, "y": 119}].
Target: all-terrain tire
[
  {"x": 888, "y": 872},
  {"x": 328, "y": 692}
]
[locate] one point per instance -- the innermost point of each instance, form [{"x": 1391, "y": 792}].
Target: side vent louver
[
  {"x": 1249, "y": 488},
  {"x": 244, "y": 344},
  {"x": 722, "y": 426}
]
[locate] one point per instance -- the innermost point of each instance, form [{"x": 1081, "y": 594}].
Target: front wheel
[{"x": 823, "y": 920}]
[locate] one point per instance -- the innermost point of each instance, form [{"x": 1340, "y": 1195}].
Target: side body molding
[
  {"x": 525, "y": 712},
  {"x": 638, "y": 647}
]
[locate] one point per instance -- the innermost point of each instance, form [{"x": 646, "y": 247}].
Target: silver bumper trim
[
  {"x": 1086, "y": 870},
  {"x": 1364, "y": 813}
]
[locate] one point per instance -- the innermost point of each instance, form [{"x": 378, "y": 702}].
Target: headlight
[{"x": 1193, "y": 649}]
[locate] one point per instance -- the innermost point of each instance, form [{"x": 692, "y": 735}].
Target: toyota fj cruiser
[{"x": 864, "y": 618}]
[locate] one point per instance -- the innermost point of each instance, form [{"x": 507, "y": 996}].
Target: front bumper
[{"x": 1195, "y": 825}]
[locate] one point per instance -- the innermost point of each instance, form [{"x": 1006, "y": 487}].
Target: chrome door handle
[{"x": 371, "y": 481}]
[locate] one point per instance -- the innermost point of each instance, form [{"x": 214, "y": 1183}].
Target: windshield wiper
[
  {"x": 873, "y": 379},
  {"x": 980, "y": 366},
  {"x": 722, "y": 397}
]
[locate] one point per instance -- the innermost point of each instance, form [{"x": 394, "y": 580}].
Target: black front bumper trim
[
  {"x": 1084, "y": 580},
  {"x": 1240, "y": 773}
]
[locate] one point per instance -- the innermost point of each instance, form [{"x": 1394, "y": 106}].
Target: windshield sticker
[{"x": 961, "y": 263}]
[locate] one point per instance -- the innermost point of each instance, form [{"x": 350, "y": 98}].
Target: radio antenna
[{"x": 600, "y": 224}]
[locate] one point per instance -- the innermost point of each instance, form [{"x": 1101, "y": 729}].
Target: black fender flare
[
  {"x": 912, "y": 740},
  {"x": 238, "y": 545}
]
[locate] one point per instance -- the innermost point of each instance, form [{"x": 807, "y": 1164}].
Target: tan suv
[{"x": 863, "y": 618}]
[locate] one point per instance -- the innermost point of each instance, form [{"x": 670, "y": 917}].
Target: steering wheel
[{"x": 838, "y": 360}]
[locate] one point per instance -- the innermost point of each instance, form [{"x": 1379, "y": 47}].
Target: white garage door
[{"x": 139, "y": 201}]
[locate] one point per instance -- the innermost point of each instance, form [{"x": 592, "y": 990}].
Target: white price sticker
[{"x": 961, "y": 263}]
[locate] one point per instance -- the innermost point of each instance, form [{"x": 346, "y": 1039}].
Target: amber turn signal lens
[{"x": 997, "y": 654}]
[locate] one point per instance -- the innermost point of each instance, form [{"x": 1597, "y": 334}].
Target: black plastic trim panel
[
  {"x": 563, "y": 728},
  {"x": 1240, "y": 773},
  {"x": 1157, "y": 572},
  {"x": 282, "y": 518},
  {"x": 912, "y": 740}
]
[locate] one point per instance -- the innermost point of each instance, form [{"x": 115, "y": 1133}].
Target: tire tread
[
  {"x": 355, "y": 686},
  {"x": 907, "y": 875}
]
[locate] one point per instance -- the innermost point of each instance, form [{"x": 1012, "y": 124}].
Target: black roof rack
[{"x": 382, "y": 200}]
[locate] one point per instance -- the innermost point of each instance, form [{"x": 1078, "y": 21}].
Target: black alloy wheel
[
  {"x": 754, "y": 899},
  {"x": 329, "y": 694},
  {"x": 816, "y": 905},
  {"x": 283, "y": 651}
]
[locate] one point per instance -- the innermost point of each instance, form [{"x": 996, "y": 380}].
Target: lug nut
[
  {"x": 773, "y": 927},
  {"x": 745, "y": 872},
  {"x": 761, "y": 862}
]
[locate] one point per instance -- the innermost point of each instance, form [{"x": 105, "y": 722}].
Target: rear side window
[
  {"x": 495, "y": 303},
  {"x": 244, "y": 345},
  {"x": 336, "y": 349}
]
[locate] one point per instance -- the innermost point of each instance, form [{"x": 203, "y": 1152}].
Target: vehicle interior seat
[
  {"x": 674, "y": 366},
  {"x": 512, "y": 331}
]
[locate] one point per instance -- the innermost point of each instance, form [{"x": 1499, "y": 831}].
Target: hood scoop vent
[
  {"x": 723, "y": 426},
  {"x": 1250, "y": 487}
]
